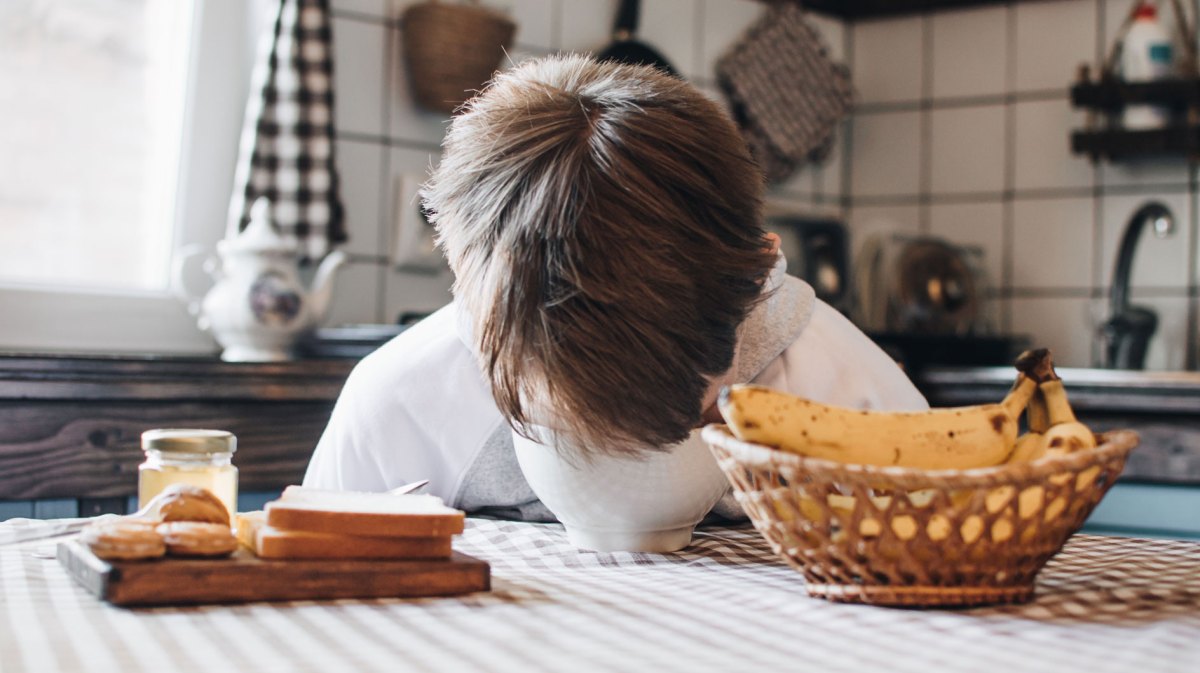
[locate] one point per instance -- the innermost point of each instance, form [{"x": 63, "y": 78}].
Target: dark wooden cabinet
[{"x": 70, "y": 426}]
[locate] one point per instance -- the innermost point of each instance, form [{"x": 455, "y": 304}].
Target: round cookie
[
  {"x": 126, "y": 540},
  {"x": 193, "y": 538},
  {"x": 184, "y": 502}
]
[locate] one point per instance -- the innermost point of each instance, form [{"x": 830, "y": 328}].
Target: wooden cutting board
[{"x": 244, "y": 578}]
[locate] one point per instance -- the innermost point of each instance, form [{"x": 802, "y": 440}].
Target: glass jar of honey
[{"x": 201, "y": 458}]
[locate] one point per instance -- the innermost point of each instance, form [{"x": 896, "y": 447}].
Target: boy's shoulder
[{"x": 424, "y": 356}]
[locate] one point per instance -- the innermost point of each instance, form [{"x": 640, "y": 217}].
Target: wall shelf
[
  {"x": 1106, "y": 98},
  {"x": 867, "y": 9},
  {"x": 1118, "y": 144}
]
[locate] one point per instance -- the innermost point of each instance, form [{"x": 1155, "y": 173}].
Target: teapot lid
[{"x": 259, "y": 235}]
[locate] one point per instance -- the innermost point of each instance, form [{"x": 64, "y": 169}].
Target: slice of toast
[
  {"x": 370, "y": 514},
  {"x": 272, "y": 543}
]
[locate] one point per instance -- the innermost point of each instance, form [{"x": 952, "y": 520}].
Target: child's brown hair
[{"x": 603, "y": 222}]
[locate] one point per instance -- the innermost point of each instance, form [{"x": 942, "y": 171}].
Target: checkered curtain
[{"x": 286, "y": 152}]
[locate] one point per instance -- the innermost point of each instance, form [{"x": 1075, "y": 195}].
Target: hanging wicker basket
[
  {"x": 911, "y": 537},
  {"x": 452, "y": 50}
]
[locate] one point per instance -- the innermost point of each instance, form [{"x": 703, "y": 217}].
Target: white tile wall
[
  {"x": 415, "y": 293},
  {"x": 1043, "y": 149},
  {"x": 1052, "y": 39},
  {"x": 586, "y": 26},
  {"x": 355, "y": 294},
  {"x": 407, "y": 120},
  {"x": 724, "y": 21},
  {"x": 670, "y": 26},
  {"x": 359, "y": 68},
  {"x": 967, "y": 149},
  {"x": 885, "y": 159},
  {"x": 534, "y": 19},
  {"x": 887, "y": 59},
  {"x": 866, "y": 221},
  {"x": 1065, "y": 325},
  {"x": 360, "y": 164},
  {"x": 970, "y": 52},
  {"x": 1052, "y": 243}
]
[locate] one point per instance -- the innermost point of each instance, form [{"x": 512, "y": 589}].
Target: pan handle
[{"x": 627, "y": 20}]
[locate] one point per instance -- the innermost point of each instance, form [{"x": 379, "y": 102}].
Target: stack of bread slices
[{"x": 308, "y": 523}]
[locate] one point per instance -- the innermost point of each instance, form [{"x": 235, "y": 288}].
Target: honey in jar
[{"x": 201, "y": 458}]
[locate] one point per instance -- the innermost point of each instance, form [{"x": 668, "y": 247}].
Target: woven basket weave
[
  {"x": 903, "y": 536},
  {"x": 452, "y": 50}
]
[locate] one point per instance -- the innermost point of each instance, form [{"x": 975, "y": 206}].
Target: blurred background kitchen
[{"x": 948, "y": 210}]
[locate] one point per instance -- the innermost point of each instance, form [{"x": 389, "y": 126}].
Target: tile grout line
[
  {"x": 1008, "y": 206},
  {"x": 925, "y": 177},
  {"x": 385, "y": 176},
  {"x": 1097, "y": 270},
  {"x": 847, "y": 125},
  {"x": 1192, "y": 339}
]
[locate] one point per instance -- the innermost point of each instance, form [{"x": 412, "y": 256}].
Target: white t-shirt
[{"x": 419, "y": 408}]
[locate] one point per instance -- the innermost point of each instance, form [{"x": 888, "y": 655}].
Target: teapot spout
[{"x": 322, "y": 288}]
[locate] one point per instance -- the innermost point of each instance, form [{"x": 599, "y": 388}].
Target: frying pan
[{"x": 626, "y": 48}]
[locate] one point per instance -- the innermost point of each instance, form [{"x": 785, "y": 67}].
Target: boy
[{"x": 604, "y": 225}]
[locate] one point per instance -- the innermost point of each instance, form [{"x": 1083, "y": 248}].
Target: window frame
[{"x": 41, "y": 319}]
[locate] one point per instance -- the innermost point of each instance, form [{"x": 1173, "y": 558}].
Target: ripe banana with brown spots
[{"x": 948, "y": 438}]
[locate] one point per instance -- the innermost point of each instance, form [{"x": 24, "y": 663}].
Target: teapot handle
[{"x": 183, "y": 287}]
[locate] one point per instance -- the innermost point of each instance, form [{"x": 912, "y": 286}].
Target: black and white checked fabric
[
  {"x": 725, "y": 605},
  {"x": 287, "y": 149}
]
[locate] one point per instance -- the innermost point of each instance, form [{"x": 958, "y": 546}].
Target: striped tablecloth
[{"x": 725, "y": 604}]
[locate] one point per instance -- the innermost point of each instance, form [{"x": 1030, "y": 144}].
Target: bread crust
[{"x": 194, "y": 538}]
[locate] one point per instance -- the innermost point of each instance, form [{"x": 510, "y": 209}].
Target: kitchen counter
[
  {"x": 725, "y": 604},
  {"x": 1091, "y": 390}
]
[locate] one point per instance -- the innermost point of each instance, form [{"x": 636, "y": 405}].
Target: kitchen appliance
[
  {"x": 921, "y": 299},
  {"x": 817, "y": 251}
]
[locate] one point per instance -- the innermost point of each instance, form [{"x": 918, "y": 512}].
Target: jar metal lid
[{"x": 188, "y": 440}]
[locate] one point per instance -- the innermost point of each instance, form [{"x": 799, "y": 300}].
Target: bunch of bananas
[{"x": 955, "y": 438}]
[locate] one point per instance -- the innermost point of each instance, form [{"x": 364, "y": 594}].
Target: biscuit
[
  {"x": 184, "y": 502},
  {"x": 127, "y": 540},
  {"x": 192, "y": 538}
]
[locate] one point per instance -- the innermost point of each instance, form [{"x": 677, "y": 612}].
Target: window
[
  {"x": 118, "y": 139},
  {"x": 94, "y": 117}
]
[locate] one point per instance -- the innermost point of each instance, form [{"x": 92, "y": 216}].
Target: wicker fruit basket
[{"x": 911, "y": 537}]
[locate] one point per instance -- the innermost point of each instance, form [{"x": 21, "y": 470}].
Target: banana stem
[
  {"x": 1038, "y": 416},
  {"x": 1057, "y": 405}
]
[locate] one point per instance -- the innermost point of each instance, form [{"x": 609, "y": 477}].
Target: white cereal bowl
[{"x": 610, "y": 503}]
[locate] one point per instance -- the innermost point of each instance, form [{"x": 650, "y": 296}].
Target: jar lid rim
[{"x": 189, "y": 440}]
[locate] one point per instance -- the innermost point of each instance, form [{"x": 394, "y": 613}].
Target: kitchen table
[{"x": 724, "y": 604}]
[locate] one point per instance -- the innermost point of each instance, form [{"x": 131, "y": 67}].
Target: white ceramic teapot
[{"x": 258, "y": 307}]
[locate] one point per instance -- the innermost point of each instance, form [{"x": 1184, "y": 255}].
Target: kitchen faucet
[{"x": 1129, "y": 328}]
